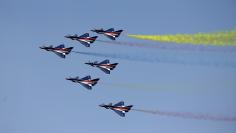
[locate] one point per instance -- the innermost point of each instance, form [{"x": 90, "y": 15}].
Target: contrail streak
[
  {"x": 227, "y": 38},
  {"x": 189, "y": 115}
]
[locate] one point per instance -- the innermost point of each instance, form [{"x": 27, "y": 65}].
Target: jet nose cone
[
  {"x": 90, "y": 64},
  {"x": 101, "y": 105},
  {"x": 42, "y": 47},
  {"x": 67, "y": 78},
  {"x": 67, "y": 36}
]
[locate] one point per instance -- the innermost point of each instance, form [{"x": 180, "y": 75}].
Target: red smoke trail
[{"x": 188, "y": 115}]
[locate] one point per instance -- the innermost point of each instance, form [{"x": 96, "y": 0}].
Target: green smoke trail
[{"x": 226, "y": 38}]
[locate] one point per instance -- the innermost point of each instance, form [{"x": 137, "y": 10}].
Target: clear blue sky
[{"x": 36, "y": 98}]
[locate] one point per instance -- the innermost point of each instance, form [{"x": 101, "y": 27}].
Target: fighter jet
[
  {"x": 83, "y": 39},
  {"x": 58, "y": 50},
  {"x": 105, "y": 65},
  {"x": 87, "y": 82},
  {"x": 119, "y": 108},
  {"x": 110, "y": 33}
]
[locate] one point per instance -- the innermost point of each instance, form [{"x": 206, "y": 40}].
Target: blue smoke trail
[
  {"x": 160, "y": 58},
  {"x": 183, "y": 47}
]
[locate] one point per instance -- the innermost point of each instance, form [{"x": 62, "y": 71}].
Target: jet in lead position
[
  {"x": 105, "y": 65},
  {"x": 119, "y": 108},
  {"x": 110, "y": 33},
  {"x": 84, "y": 39},
  {"x": 58, "y": 50},
  {"x": 87, "y": 82}
]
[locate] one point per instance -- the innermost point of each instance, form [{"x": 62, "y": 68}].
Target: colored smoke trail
[
  {"x": 116, "y": 56},
  {"x": 227, "y": 38},
  {"x": 136, "y": 86},
  {"x": 199, "y": 60},
  {"x": 172, "y": 46},
  {"x": 188, "y": 115},
  {"x": 129, "y": 44}
]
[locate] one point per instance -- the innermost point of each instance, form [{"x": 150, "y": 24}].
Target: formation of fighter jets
[
  {"x": 86, "y": 40},
  {"x": 105, "y": 65}
]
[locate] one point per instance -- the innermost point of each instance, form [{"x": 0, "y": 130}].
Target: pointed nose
[
  {"x": 42, "y": 47},
  {"x": 101, "y": 105},
  {"x": 66, "y": 36}
]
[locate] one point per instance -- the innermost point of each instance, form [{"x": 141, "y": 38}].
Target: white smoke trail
[{"x": 189, "y": 115}]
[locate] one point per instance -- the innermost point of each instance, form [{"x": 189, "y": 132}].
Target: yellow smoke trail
[{"x": 226, "y": 38}]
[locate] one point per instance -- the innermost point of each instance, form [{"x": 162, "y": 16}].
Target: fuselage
[
  {"x": 118, "y": 108},
  {"x": 58, "y": 50},
  {"x": 87, "y": 82},
  {"x": 87, "y": 39},
  {"x": 106, "y": 66}
]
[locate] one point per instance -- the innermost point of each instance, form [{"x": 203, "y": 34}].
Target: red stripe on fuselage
[
  {"x": 90, "y": 39},
  {"x": 111, "y": 33},
  {"x": 121, "y": 108},
  {"x": 107, "y": 65},
  {"x": 64, "y": 50},
  {"x": 88, "y": 81}
]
